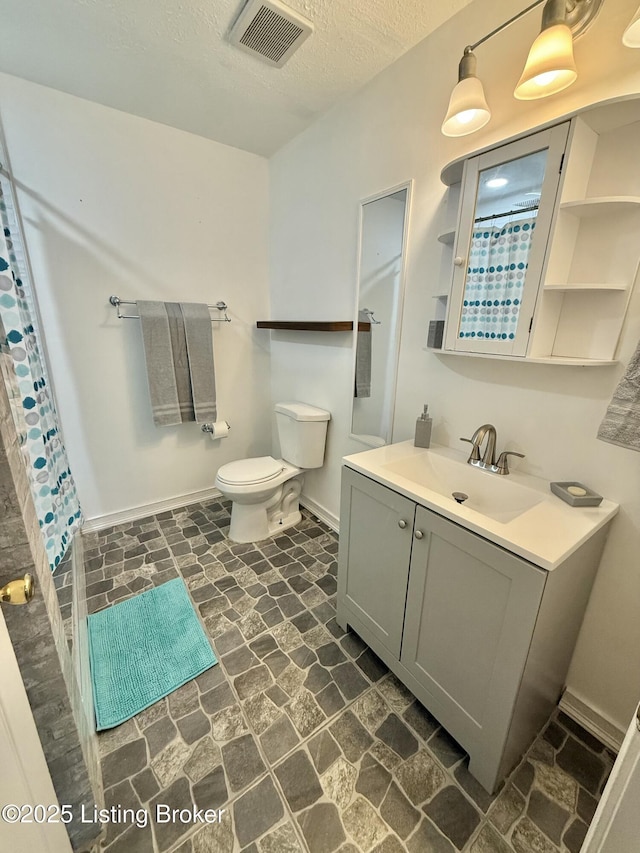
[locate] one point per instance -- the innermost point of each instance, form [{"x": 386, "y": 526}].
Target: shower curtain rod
[
  {"x": 117, "y": 302},
  {"x": 506, "y": 213}
]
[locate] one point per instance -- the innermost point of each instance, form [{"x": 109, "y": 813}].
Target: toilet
[{"x": 264, "y": 490}]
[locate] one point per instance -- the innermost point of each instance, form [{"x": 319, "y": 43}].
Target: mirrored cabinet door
[{"x": 506, "y": 211}]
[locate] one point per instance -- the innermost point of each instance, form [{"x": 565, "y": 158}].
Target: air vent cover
[{"x": 269, "y": 30}]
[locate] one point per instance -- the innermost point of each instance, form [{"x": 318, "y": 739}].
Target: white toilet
[{"x": 265, "y": 490}]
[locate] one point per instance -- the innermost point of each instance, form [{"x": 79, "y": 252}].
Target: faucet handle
[
  {"x": 501, "y": 465},
  {"x": 475, "y": 453}
]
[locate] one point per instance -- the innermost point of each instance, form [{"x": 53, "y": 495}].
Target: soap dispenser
[{"x": 423, "y": 429}]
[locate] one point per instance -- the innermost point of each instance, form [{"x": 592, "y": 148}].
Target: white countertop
[{"x": 545, "y": 533}]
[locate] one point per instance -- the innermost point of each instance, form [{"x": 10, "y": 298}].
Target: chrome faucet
[{"x": 488, "y": 460}]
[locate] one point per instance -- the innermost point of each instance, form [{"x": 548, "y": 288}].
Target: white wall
[
  {"x": 115, "y": 204},
  {"x": 387, "y": 134}
]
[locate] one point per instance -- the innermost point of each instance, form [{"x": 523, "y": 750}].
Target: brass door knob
[{"x": 19, "y": 591}]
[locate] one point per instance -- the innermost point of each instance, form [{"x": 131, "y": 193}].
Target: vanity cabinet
[
  {"x": 378, "y": 525},
  {"x": 483, "y": 638}
]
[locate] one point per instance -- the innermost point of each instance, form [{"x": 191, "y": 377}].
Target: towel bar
[
  {"x": 372, "y": 319},
  {"x": 117, "y": 302}
]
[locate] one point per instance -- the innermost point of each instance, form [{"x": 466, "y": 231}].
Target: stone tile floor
[{"x": 300, "y": 733}]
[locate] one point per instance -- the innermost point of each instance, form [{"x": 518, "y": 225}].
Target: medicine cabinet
[{"x": 545, "y": 250}]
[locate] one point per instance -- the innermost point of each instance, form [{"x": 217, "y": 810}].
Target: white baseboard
[
  {"x": 321, "y": 512},
  {"x": 136, "y": 512},
  {"x": 593, "y": 721}
]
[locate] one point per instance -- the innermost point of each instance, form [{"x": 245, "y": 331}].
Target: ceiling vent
[{"x": 270, "y": 30}]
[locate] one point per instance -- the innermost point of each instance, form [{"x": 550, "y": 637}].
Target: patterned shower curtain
[
  {"x": 52, "y": 484},
  {"x": 498, "y": 262}
]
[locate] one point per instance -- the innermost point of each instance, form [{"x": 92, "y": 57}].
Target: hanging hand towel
[
  {"x": 181, "y": 369},
  {"x": 197, "y": 327},
  {"x": 621, "y": 424},
  {"x": 158, "y": 355},
  {"x": 363, "y": 358}
]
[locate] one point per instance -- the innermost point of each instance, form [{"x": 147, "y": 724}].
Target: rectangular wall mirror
[{"x": 377, "y": 326}]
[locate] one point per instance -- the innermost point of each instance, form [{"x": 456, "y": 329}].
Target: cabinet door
[
  {"x": 471, "y": 611},
  {"x": 376, "y": 526},
  {"x": 506, "y": 211}
]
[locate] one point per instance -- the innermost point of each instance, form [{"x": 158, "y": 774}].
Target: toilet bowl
[{"x": 264, "y": 491}]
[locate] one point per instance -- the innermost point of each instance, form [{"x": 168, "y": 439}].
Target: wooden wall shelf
[{"x": 312, "y": 325}]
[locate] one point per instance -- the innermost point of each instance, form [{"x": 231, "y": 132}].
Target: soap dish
[{"x": 589, "y": 499}]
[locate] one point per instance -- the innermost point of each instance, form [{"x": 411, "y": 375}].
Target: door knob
[
  {"x": 418, "y": 534},
  {"x": 19, "y": 591},
  {"x": 402, "y": 524}
]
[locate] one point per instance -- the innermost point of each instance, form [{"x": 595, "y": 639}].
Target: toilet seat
[{"x": 246, "y": 472}]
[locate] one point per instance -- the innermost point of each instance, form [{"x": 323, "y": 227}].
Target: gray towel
[
  {"x": 178, "y": 351},
  {"x": 199, "y": 342},
  {"x": 621, "y": 423},
  {"x": 363, "y": 358},
  {"x": 181, "y": 369},
  {"x": 159, "y": 359}
]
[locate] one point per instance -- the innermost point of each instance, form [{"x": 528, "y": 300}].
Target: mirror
[
  {"x": 383, "y": 227},
  {"x": 505, "y": 216}
]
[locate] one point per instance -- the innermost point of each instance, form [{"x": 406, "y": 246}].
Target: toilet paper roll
[{"x": 220, "y": 429}]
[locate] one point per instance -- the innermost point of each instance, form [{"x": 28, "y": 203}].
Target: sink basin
[
  {"x": 516, "y": 511},
  {"x": 490, "y": 494}
]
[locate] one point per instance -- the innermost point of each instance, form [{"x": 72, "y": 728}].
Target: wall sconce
[
  {"x": 549, "y": 68},
  {"x": 468, "y": 108},
  {"x": 631, "y": 37}
]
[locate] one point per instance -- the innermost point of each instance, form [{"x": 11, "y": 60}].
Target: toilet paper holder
[{"x": 210, "y": 428}]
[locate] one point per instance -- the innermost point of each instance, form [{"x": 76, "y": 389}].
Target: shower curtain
[
  {"x": 498, "y": 261},
  {"x": 52, "y": 485}
]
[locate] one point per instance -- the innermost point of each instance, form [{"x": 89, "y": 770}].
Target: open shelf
[
  {"x": 447, "y": 237},
  {"x": 602, "y": 206},
  {"x": 571, "y": 288},
  {"x": 312, "y": 325},
  {"x": 567, "y": 362}
]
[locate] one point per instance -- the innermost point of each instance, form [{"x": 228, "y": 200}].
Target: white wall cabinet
[
  {"x": 585, "y": 261},
  {"x": 483, "y": 638}
]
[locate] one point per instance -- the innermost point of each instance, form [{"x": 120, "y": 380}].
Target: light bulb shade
[
  {"x": 550, "y": 66},
  {"x": 631, "y": 37},
  {"x": 468, "y": 109}
]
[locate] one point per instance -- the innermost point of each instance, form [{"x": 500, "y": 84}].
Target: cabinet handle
[
  {"x": 418, "y": 534},
  {"x": 458, "y": 261},
  {"x": 402, "y": 524}
]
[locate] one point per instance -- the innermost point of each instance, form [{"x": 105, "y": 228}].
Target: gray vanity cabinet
[
  {"x": 470, "y": 615},
  {"x": 378, "y": 526},
  {"x": 482, "y": 637}
]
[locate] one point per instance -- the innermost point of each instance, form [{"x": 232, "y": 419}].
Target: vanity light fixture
[
  {"x": 550, "y": 66},
  {"x": 468, "y": 109},
  {"x": 631, "y": 36}
]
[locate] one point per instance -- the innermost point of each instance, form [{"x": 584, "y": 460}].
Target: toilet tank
[{"x": 302, "y": 430}]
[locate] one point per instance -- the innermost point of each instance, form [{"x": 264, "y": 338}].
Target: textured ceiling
[{"x": 169, "y": 60}]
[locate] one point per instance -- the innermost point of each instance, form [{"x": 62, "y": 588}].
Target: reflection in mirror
[
  {"x": 504, "y": 222},
  {"x": 379, "y": 310}
]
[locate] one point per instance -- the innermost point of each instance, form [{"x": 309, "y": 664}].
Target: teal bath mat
[{"x": 144, "y": 648}]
